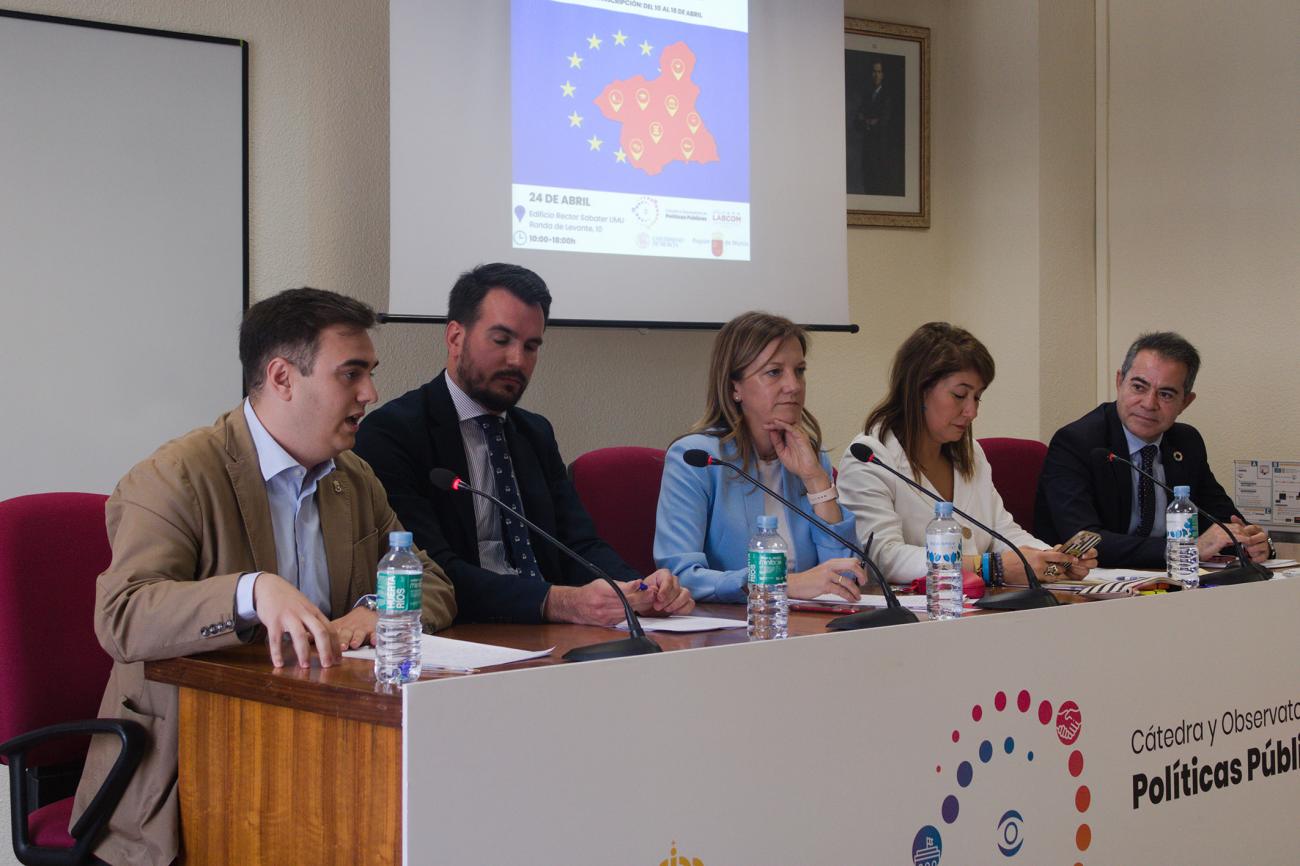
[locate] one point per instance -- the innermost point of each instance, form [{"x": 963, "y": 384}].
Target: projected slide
[{"x": 630, "y": 127}]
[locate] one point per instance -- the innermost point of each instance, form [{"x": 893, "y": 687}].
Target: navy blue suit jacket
[
  {"x": 1078, "y": 491},
  {"x": 420, "y": 431}
]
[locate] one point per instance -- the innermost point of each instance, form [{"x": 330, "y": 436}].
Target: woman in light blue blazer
[{"x": 754, "y": 417}]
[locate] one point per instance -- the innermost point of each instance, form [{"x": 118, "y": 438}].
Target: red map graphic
[{"x": 660, "y": 123}]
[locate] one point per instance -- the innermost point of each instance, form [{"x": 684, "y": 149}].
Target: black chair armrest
[{"x": 90, "y": 825}]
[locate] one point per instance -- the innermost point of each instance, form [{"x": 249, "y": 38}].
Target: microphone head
[
  {"x": 444, "y": 479},
  {"x": 697, "y": 457},
  {"x": 1103, "y": 454},
  {"x": 861, "y": 451}
]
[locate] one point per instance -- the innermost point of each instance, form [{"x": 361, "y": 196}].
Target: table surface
[{"x": 348, "y": 690}]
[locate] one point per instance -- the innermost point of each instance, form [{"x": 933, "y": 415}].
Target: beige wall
[
  {"x": 1009, "y": 253},
  {"x": 1203, "y": 227}
]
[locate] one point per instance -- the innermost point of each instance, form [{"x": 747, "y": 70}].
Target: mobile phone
[{"x": 1081, "y": 542}]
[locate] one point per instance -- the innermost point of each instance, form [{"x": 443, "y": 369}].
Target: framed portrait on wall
[{"x": 887, "y": 123}]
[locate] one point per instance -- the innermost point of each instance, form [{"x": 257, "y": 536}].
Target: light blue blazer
[{"x": 706, "y": 517}]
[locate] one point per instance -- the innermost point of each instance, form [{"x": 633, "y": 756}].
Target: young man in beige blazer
[{"x": 262, "y": 526}]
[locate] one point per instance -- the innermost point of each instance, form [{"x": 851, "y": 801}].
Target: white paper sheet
[
  {"x": 686, "y": 623},
  {"x": 1106, "y": 575},
  {"x": 445, "y": 653},
  {"x": 911, "y": 602}
]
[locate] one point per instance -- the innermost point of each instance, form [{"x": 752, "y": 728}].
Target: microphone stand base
[
  {"x": 1025, "y": 599},
  {"x": 628, "y": 646},
  {"x": 1250, "y": 573},
  {"x": 872, "y": 619}
]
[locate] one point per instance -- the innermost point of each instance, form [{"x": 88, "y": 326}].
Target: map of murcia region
[{"x": 659, "y": 121}]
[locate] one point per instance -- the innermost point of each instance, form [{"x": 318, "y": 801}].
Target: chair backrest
[
  {"x": 1016, "y": 464},
  {"x": 52, "y": 668},
  {"x": 620, "y": 489}
]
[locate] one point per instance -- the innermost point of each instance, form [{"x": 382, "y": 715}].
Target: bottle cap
[
  {"x": 766, "y": 522},
  {"x": 399, "y": 539},
  {"x": 943, "y": 509},
  {"x": 1182, "y": 491}
]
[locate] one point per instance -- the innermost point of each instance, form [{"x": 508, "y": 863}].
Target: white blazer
[{"x": 898, "y": 514}]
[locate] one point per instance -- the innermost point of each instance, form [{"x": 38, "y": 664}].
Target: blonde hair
[{"x": 738, "y": 345}]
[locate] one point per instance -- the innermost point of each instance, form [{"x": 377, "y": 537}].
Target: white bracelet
[{"x": 825, "y": 496}]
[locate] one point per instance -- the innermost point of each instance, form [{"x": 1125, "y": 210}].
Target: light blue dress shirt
[
  {"x": 706, "y": 516},
  {"x": 1135, "y": 446},
  {"x": 295, "y": 521}
]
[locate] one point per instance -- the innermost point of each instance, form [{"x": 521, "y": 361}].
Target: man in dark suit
[
  {"x": 1079, "y": 491},
  {"x": 466, "y": 420}
]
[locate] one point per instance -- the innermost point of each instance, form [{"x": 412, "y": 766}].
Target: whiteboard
[{"x": 123, "y": 244}]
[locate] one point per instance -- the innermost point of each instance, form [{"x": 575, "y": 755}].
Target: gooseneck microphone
[
  {"x": 1026, "y": 599},
  {"x": 634, "y": 645},
  {"x": 1246, "y": 572},
  {"x": 892, "y": 614}
]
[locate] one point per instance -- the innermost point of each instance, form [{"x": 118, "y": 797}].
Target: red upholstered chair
[
  {"x": 620, "y": 489},
  {"x": 52, "y": 673},
  {"x": 1016, "y": 464}
]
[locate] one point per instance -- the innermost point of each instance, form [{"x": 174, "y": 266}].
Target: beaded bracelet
[{"x": 998, "y": 573}]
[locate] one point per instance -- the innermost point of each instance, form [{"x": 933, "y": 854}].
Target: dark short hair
[
  {"x": 289, "y": 325},
  {"x": 467, "y": 295},
  {"x": 933, "y": 351},
  {"x": 1170, "y": 345}
]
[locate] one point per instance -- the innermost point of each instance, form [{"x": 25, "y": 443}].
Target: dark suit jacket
[
  {"x": 419, "y": 431},
  {"x": 1077, "y": 491}
]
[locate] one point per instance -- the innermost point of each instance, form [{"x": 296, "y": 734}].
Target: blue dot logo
[
  {"x": 927, "y": 847},
  {"x": 1009, "y": 834}
]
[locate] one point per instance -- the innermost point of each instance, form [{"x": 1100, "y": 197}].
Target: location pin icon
[
  {"x": 693, "y": 121},
  {"x": 678, "y": 67},
  {"x": 670, "y": 103},
  {"x": 637, "y": 146},
  {"x": 656, "y": 131},
  {"x": 688, "y": 147},
  {"x": 519, "y": 212},
  {"x": 642, "y": 98},
  {"x": 616, "y": 99}
]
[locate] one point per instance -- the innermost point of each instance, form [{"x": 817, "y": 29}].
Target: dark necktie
[
  {"x": 1146, "y": 492},
  {"x": 513, "y": 533}
]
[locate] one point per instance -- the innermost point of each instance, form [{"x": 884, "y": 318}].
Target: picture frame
[{"x": 887, "y": 123}]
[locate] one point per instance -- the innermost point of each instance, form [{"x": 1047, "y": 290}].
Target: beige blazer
[{"x": 184, "y": 524}]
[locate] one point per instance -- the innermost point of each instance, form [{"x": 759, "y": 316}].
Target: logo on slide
[
  {"x": 1012, "y": 728},
  {"x": 646, "y": 211}
]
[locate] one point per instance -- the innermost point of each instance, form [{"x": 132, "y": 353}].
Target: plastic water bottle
[
  {"x": 943, "y": 590},
  {"x": 397, "y": 636},
  {"x": 1182, "y": 561},
  {"x": 769, "y": 611}
]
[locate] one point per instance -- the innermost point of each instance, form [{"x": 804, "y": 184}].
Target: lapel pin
[{"x": 1178, "y": 456}]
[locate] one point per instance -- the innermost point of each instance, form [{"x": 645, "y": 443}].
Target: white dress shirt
[
  {"x": 487, "y": 517},
  {"x": 899, "y": 514}
]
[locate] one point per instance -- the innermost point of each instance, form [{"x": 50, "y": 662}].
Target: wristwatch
[{"x": 369, "y": 602}]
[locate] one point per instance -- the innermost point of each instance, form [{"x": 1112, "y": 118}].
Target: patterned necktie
[
  {"x": 513, "y": 533},
  {"x": 1146, "y": 492}
]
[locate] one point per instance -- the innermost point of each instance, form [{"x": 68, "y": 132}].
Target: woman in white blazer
[{"x": 923, "y": 428}]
